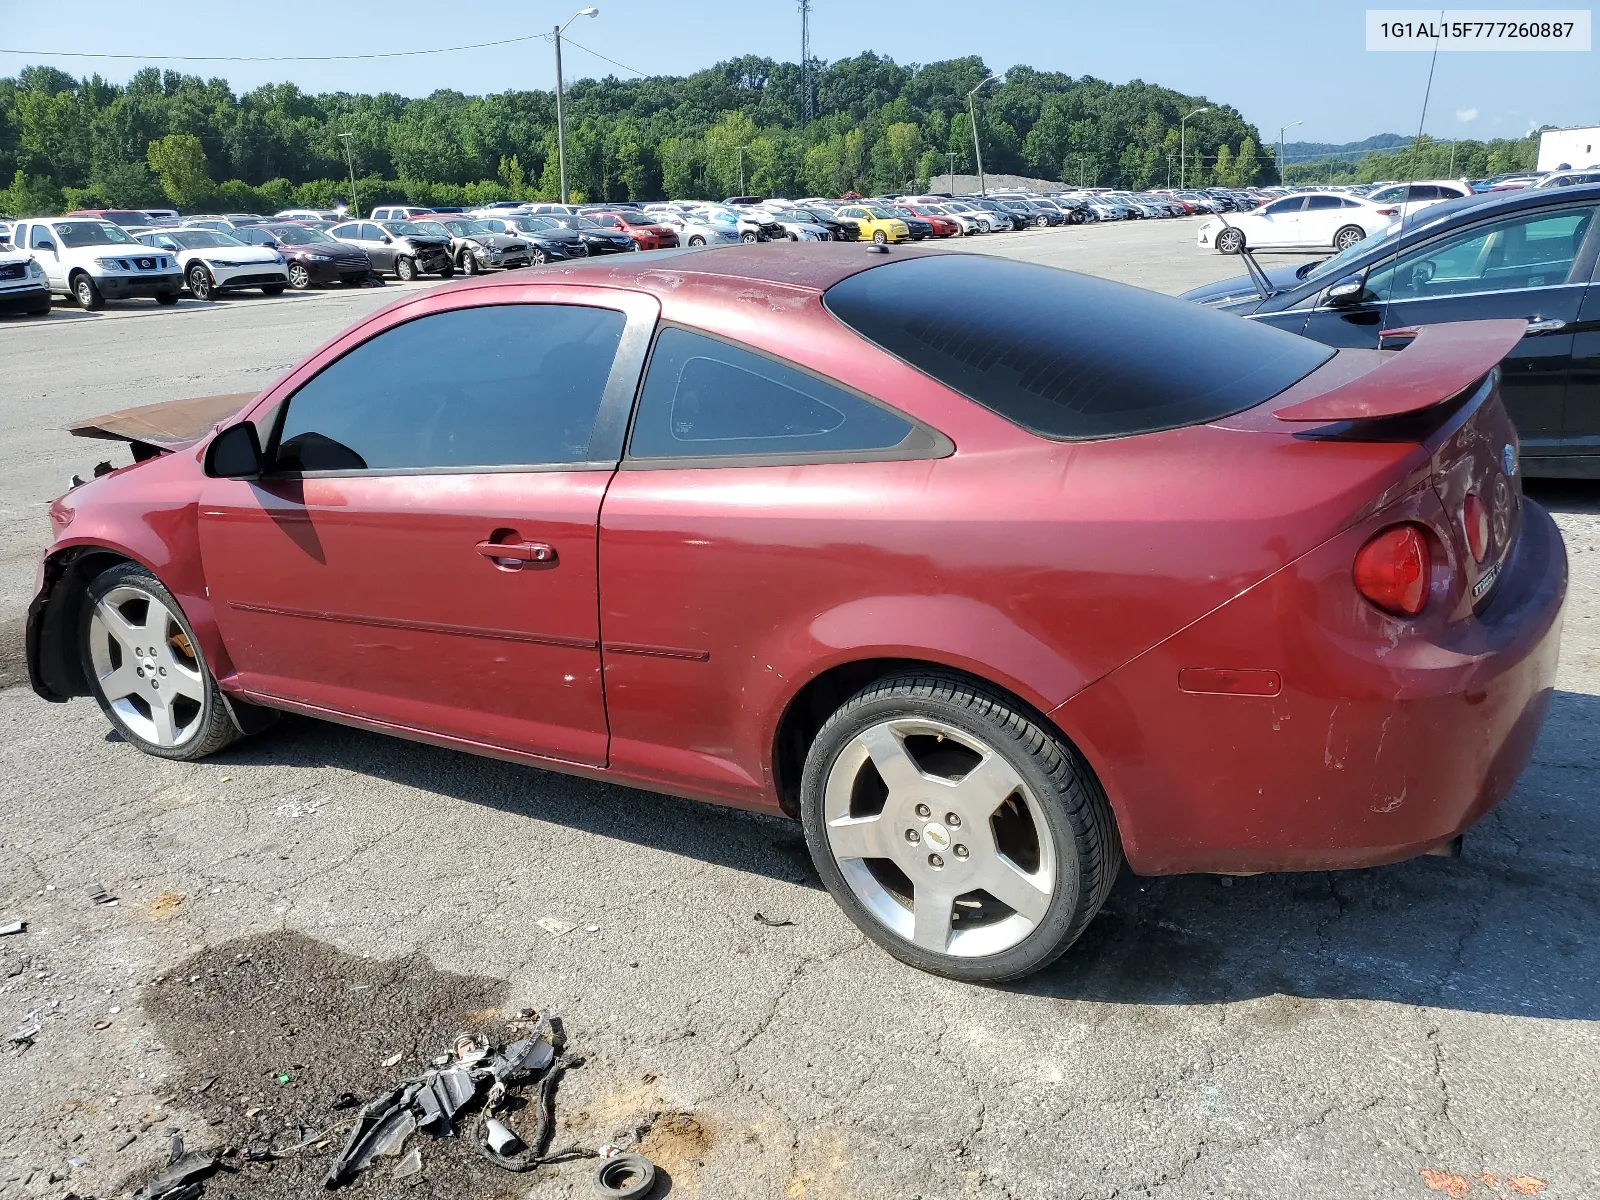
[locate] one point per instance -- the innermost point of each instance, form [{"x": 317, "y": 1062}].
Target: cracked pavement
[{"x": 1426, "y": 1028}]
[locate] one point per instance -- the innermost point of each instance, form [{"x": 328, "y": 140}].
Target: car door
[
  {"x": 378, "y": 244},
  {"x": 1580, "y": 412},
  {"x": 420, "y": 551},
  {"x": 42, "y": 240},
  {"x": 716, "y": 508},
  {"x": 1278, "y": 224},
  {"x": 1532, "y": 264}
]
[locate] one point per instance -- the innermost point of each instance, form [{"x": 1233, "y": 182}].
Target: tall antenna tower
[{"x": 808, "y": 107}]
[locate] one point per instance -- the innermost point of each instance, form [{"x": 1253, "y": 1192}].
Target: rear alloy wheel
[
  {"x": 405, "y": 268},
  {"x": 1230, "y": 241},
  {"x": 145, "y": 668},
  {"x": 299, "y": 277},
  {"x": 537, "y": 257},
  {"x": 954, "y": 830},
  {"x": 199, "y": 280},
  {"x": 87, "y": 294},
  {"x": 747, "y": 236},
  {"x": 1347, "y": 237},
  {"x": 697, "y": 240},
  {"x": 880, "y": 237}
]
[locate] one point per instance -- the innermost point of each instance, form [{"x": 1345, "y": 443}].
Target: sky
[{"x": 1276, "y": 63}]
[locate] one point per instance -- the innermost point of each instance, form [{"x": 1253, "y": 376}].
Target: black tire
[
  {"x": 42, "y": 311},
  {"x": 447, "y": 271},
  {"x": 1071, "y": 805},
  {"x": 469, "y": 263},
  {"x": 1230, "y": 241},
  {"x": 405, "y": 268},
  {"x": 1347, "y": 237},
  {"x": 167, "y": 298},
  {"x": 200, "y": 284},
  {"x": 213, "y": 726},
  {"x": 880, "y": 237},
  {"x": 87, "y": 293},
  {"x": 299, "y": 276},
  {"x": 747, "y": 236},
  {"x": 697, "y": 240},
  {"x": 537, "y": 257},
  {"x": 271, "y": 289},
  {"x": 354, "y": 280}
]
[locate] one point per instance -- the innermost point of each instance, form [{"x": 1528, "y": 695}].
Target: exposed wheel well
[
  {"x": 813, "y": 704},
  {"x": 66, "y": 578}
]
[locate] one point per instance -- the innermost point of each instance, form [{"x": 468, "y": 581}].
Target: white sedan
[
  {"x": 1303, "y": 221},
  {"x": 213, "y": 262},
  {"x": 1412, "y": 198}
]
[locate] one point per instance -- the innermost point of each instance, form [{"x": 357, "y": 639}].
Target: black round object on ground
[{"x": 624, "y": 1177}]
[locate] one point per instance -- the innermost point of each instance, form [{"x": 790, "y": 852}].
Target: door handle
[
  {"x": 507, "y": 553},
  {"x": 1544, "y": 325}
]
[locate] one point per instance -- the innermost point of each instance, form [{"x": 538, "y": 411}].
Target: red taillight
[
  {"x": 1388, "y": 212},
  {"x": 1391, "y": 570},
  {"x": 1475, "y": 520}
]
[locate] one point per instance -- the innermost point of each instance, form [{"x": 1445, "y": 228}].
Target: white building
[{"x": 1577, "y": 148}]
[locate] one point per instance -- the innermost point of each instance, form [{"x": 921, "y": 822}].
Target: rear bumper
[{"x": 1375, "y": 750}]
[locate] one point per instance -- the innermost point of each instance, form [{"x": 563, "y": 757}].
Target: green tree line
[
  {"x": 1423, "y": 158},
  {"x": 169, "y": 138}
]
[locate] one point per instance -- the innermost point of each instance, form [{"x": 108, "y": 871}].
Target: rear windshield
[{"x": 1065, "y": 355}]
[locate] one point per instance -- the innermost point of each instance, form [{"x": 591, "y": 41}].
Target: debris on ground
[
  {"x": 182, "y": 1179},
  {"x": 774, "y": 922},
  {"x": 13, "y": 927},
  {"x": 554, "y": 927},
  {"x": 473, "y": 1073},
  {"x": 99, "y": 895},
  {"x": 624, "y": 1176},
  {"x": 30, "y": 1028}
]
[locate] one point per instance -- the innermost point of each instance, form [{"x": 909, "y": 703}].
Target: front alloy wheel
[
  {"x": 146, "y": 670},
  {"x": 200, "y": 283},
  {"x": 299, "y": 277},
  {"x": 956, "y": 832},
  {"x": 470, "y": 264},
  {"x": 880, "y": 237}
]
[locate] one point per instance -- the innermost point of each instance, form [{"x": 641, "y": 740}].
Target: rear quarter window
[{"x": 1069, "y": 356}]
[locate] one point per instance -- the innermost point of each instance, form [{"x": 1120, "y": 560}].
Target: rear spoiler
[
  {"x": 165, "y": 427},
  {"x": 1441, "y": 362}
]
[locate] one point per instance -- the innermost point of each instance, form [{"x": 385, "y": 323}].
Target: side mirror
[
  {"x": 1342, "y": 293},
  {"x": 235, "y": 453},
  {"x": 50, "y": 246},
  {"x": 387, "y": 239}
]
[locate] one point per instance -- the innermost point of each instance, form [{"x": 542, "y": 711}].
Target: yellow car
[{"x": 878, "y": 224}]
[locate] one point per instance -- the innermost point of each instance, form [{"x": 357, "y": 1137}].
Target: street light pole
[
  {"x": 355, "y": 204},
  {"x": 977, "y": 152},
  {"x": 561, "y": 123},
  {"x": 1281, "y": 129},
  {"x": 951, "y": 155},
  {"x": 1183, "y": 147}
]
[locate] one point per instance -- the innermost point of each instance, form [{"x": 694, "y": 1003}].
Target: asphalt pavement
[{"x": 294, "y": 913}]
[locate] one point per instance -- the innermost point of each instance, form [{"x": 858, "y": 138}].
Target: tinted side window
[
  {"x": 704, "y": 398},
  {"x": 1531, "y": 250},
  {"x": 1317, "y": 202},
  {"x": 42, "y": 236},
  {"x": 505, "y": 385},
  {"x": 1292, "y": 204},
  {"x": 343, "y": 231}
]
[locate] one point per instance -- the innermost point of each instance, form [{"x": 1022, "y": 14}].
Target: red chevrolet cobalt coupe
[{"x": 991, "y": 574}]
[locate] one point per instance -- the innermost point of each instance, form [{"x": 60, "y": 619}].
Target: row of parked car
[{"x": 92, "y": 256}]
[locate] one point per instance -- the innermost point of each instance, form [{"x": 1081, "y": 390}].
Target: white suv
[
  {"x": 94, "y": 261},
  {"x": 22, "y": 284}
]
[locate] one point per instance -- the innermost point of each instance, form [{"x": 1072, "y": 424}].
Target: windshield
[
  {"x": 202, "y": 239},
  {"x": 536, "y": 224},
  {"x": 404, "y": 228},
  {"x": 581, "y": 223},
  {"x": 434, "y": 227},
  {"x": 297, "y": 235},
  {"x": 881, "y": 214},
  {"x": 468, "y": 227},
  {"x": 91, "y": 233},
  {"x": 935, "y": 209},
  {"x": 1342, "y": 260}
]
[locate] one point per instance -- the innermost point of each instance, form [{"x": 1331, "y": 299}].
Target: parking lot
[{"x": 296, "y": 911}]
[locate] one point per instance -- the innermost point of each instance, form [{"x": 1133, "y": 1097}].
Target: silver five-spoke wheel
[
  {"x": 939, "y": 837},
  {"x": 955, "y": 827},
  {"x": 146, "y": 667}
]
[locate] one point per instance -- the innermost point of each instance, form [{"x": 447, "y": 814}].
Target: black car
[
  {"x": 312, "y": 256},
  {"x": 548, "y": 240},
  {"x": 920, "y": 228},
  {"x": 1529, "y": 254},
  {"x": 1043, "y": 215},
  {"x": 840, "y": 229},
  {"x": 596, "y": 237}
]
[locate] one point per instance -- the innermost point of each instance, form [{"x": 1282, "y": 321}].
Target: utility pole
[
  {"x": 1281, "y": 129},
  {"x": 951, "y": 155},
  {"x": 1183, "y": 146},
  {"x": 355, "y": 204},
  {"x": 977, "y": 151},
  {"x": 807, "y": 103},
  {"x": 561, "y": 123}
]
